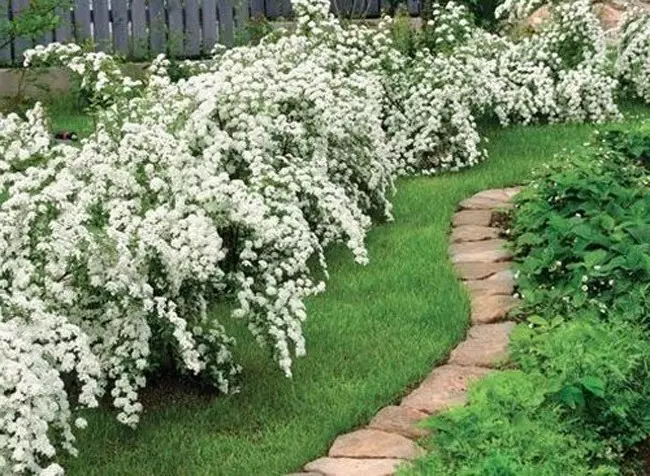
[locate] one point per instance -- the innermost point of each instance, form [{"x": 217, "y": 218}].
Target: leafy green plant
[
  {"x": 582, "y": 235},
  {"x": 510, "y": 427},
  {"x": 39, "y": 17},
  {"x": 602, "y": 370},
  {"x": 253, "y": 31}
]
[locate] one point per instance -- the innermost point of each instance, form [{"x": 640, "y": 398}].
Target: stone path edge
[{"x": 483, "y": 265}]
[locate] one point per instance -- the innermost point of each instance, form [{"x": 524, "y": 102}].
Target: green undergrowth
[
  {"x": 375, "y": 333},
  {"x": 577, "y": 399}
]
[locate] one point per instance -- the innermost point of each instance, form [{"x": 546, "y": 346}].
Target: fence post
[
  {"x": 5, "y": 51},
  {"x": 226, "y": 23},
  {"x": 209, "y": 10},
  {"x": 192, "y": 28},
  {"x": 82, "y": 20},
  {"x": 120, "y": 14},
  {"x": 22, "y": 43},
  {"x": 175, "y": 37},
  {"x": 139, "y": 38},
  {"x": 157, "y": 26},
  {"x": 63, "y": 30}
]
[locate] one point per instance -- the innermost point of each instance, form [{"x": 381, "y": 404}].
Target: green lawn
[{"x": 377, "y": 331}]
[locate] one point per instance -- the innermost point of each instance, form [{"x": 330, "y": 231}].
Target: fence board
[
  {"x": 157, "y": 26},
  {"x": 22, "y": 43},
  {"x": 45, "y": 38},
  {"x": 226, "y": 22},
  {"x": 271, "y": 9},
  {"x": 120, "y": 16},
  {"x": 359, "y": 8},
  {"x": 175, "y": 31},
  {"x": 5, "y": 51},
  {"x": 344, "y": 7},
  {"x": 63, "y": 31},
  {"x": 101, "y": 28},
  {"x": 285, "y": 8},
  {"x": 372, "y": 9},
  {"x": 242, "y": 13},
  {"x": 82, "y": 20},
  {"x": 413, "y": 7},
  {"x": 257, "y": 8},
  {"x": 139, "y": 35},
  {"x": 192, "y": 28},
  {"x": 209, "y": 17}
]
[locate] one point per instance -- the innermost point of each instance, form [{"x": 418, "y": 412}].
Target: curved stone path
[{"x": 483, "y": 263}]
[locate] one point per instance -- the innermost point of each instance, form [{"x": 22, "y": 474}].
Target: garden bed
[
  {"x": 575, "y": 398},
  {"x": 188, "y": 236}
]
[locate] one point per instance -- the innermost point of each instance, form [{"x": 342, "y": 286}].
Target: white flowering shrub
[
  {"x": 100, "y": 79},
  {"x": 450, "y": 25},
  {"x": 223, "y": 187},
  {"x": 633, "y": 63},
  {"x": 558, "y": 74}
]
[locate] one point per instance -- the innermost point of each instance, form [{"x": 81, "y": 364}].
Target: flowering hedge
[
  {"x": 633, "y": 65},
  {"x": 225, "y": 188}
]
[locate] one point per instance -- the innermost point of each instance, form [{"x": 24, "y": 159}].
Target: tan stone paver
[
  {"x": 354, "y": 466},
  {"x": 473, "y": 233},
  {"x": 485, "y": 346},
  {"x": 445, "y": 387},
  {"x": 484, "y": 203},
  {"x": 374, "y": 444},
  {"x": 487, "y": 309},
  {"x": 487, "y": 251},
  {"x": 401, "y": 420},
  {"x": 476, "y": 270},
  {"x": 473, "y": 217},
  {"x": 489, "y": 287}
]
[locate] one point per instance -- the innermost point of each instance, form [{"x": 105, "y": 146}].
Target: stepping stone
[
  {"x": 512, "y": 192},
  {"x": 473, "y": 233},
  {"x": 490, "y": 287},
  {"x": 499, "y": 194},
  {"x": 507, "y": 275},
  {"x": 484, "y": 203},
  {"x": 486, "y": 346},
  {"x": 490, "y": 251},
  {"x": 354, "y": 467},
  {"x": 475, "y": 270},
  {"x": 401, "y": 420},
  {"x": 305, "y": 474},
  {"x": 374, "y": 444},
  {"x": 488, "y": 309},
  {"x": 445, "y": 387},
  {"x": 473, "y": 217}
]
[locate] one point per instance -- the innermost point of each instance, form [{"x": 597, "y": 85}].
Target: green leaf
[
  {"x": 572, "y": 396},
  {"x": 593, "y": 258},
  {"x": 594, "y": 385},
  {"x": 538, "y": 321}
]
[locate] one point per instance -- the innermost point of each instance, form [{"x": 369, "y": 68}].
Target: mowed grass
[{"x": 374, "y": 334}]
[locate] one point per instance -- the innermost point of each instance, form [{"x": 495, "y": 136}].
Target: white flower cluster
[
  {"x": 633, "y": 63},
  {"x": 559, "y": 74},
  {"x": 100, "y": 79},
  {"x": 211, "y": 198},
  {"x": 516, "y": 10}
]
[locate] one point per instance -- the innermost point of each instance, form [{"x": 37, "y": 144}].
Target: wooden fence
[{"x": 140, "y": 29}]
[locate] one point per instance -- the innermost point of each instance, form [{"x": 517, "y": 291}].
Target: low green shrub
[
  {"x": 582, "y": 237},
  {"x": 601, "y": 371},
  {"x": 511, "y": 427}
]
